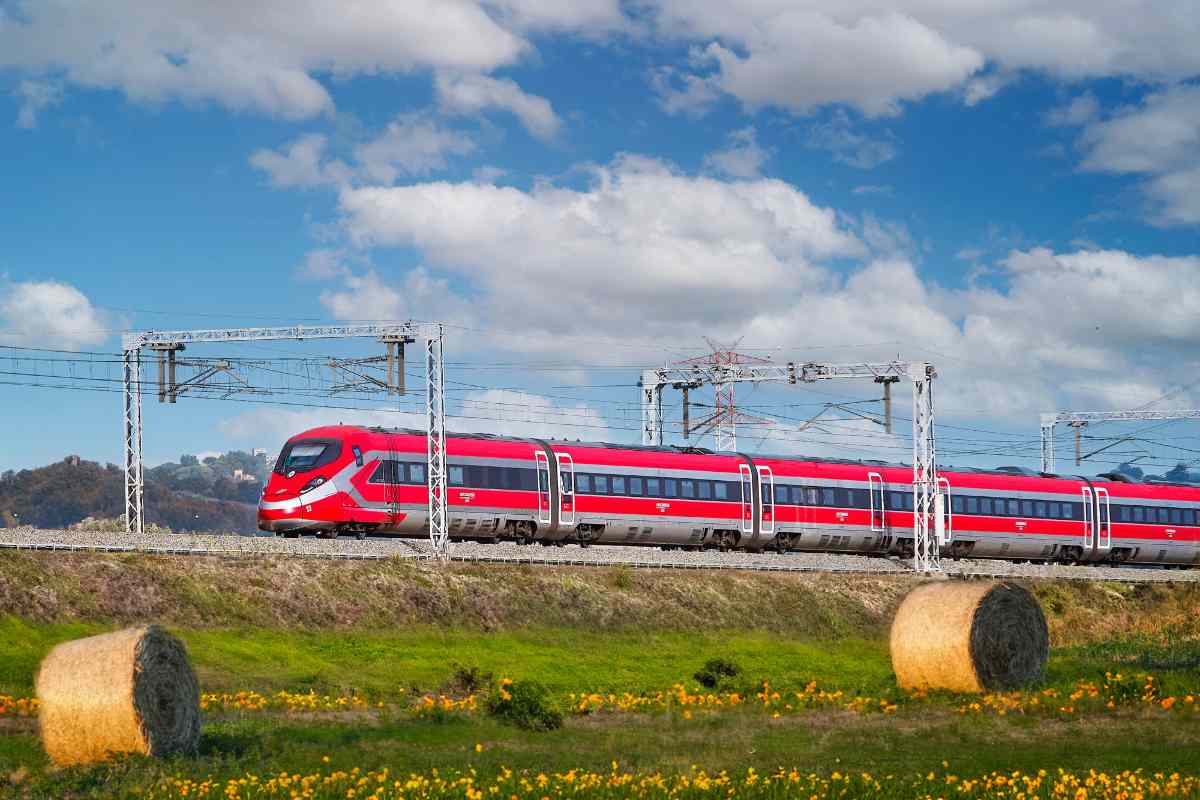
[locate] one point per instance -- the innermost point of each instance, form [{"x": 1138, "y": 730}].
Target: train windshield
[{"x": 303, "y": 455}]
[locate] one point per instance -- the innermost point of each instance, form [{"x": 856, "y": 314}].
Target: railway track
[{"x": 232, "y": 546}]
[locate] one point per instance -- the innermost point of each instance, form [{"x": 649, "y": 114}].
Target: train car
[{"x": 356, "y": 480}]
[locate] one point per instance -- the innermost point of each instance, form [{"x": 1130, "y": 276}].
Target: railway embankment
[{"x": 395, "y": 593}]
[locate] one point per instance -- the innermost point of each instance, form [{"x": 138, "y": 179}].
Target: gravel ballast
[{"x": 505, "y": 552}]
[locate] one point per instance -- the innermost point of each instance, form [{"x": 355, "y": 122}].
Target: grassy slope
[{"x": 381, "y": 627}]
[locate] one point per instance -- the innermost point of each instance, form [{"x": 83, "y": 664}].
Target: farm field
[{"x": 331, "y": 704}]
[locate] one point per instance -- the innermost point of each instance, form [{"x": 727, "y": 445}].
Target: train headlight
[{"x": 314, "y": 483}]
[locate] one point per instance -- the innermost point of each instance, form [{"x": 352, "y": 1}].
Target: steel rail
[{"x": 1160, "y": 576}]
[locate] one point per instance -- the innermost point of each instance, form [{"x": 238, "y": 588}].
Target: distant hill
[
  {"x": 235, "y": 475},
  {"x": 62, "y": 494}
]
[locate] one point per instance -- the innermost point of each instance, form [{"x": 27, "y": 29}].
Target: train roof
[{"x": 1003, "y": 471}]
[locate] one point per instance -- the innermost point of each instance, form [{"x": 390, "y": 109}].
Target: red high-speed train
[{"x": 357, "y": 480}]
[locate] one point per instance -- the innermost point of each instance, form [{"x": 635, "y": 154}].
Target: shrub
[
  {"x": 467, "y": 679},
  {"x": 524, "y": 704},
  {"x": 715, "y": 671}
]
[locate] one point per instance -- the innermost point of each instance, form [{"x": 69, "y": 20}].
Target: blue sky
[{"x": 579, "y": 189}]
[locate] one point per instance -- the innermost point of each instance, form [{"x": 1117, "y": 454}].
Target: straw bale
[
  {"x": 131, "y": 691},
  {"x": 969, "y": 637}
]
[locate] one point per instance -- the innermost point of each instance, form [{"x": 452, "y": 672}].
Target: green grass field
[{"x": 841, "y": 645}]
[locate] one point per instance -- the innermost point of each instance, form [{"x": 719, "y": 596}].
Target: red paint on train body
[{"x": 350, "y": 479}]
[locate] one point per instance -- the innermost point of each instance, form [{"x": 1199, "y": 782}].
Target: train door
[
  {"x": 566, "y": 488},
  {"x": 747, "y": 498},
  {"x": 766, "y": 498},
  {"x": 943, "y": 514},
  {"x": 1089, "y": 519},
  {"x": 543, "y": 487},
  {"x": 392, "y": 471},
  {"x": 876, "y": 504},
  {"x": 1103, "y": 520}
]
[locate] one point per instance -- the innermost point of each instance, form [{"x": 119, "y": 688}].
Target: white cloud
[
  {"x": 323, "y": 264},
  {"x": 1080, "y": 111},
  {"x": 648, "y": 246},
  {"x": 474, "y": 93},
  {"x": 496, "y": 411},
  {"x": 674, "y": 257},
  {"x": 35, "y": 96},
  {"x": 743, "y": 158},
  {"x": 854, "y": 149},
  {"x": 412, "y": 144},
  {"x": 301, "y": 163},
  {"x": 266, "y": 60},
  {"x": 875, "y": 56},
  {"x": 49, "y": 314},
  {"x": 1159, "y": 139},
  {"x": 876, "y": 189}
]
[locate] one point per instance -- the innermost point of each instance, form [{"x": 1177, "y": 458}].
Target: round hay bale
[
  {"x": 131, "y": 691},
  {"x": 969, "y": 637}
]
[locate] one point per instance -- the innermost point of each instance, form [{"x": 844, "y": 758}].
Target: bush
[
  {"x": 715, "y": 671},
  {"x": 524, "y": 704},
  {"x": 467, "y": 679}
]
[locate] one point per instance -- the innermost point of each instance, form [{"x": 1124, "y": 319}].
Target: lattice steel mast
[
  {"x": 1080, "y": 419},
  {"x": 928, "y": 498},
  {"x": 393, "y": 335}
]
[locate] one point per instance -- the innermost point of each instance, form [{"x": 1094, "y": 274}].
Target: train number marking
[
  {"x": 1021, "y": 524},
  {"x": 466, "y": 497},
  {"x": 662, "y": 506}
]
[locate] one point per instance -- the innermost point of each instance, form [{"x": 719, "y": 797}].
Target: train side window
[
  {"x": 1164, "y": 516},
  {"x": 635, "y": 487},
  {"x": 687, "y": 489},
  {"x": 381, "y": 472},
  {"x": 618, "y": 484},
  {"x": 908, "y": 501},
  {"x": 670, "y": 488},
  {"x": 811, "y": 496},
  {"x": 1026, "y": 508},
  {"x": 1052, "y": 510},
  {"x": 358, "y": 456},
  {"x": 1139, "y": 514},
  {"x": 827, "y": 497},
  {"x": 985, "y": 506},
  {"x": 972, "y": 505},
  {"x": 601, "y": 484},
  {"x": 1176, "y": 516},
  {"x": 1120, "y": 513},
  {"x": 1039, "y": 508},
  {"x": 705, "y": 488},
  {"x": 652, "y": 487},
  {"x": 583, "y": 483},
  {"x": 956, "y": 504},
  {"x": 720, "y": 490},
  {"x": 1014, "y": 508},
  {"x": 1189, "y": 516},
  {"x": 416, "y": 473},
  {"x": 782, "y": 495},
  {"x": 455, "y": 476},
  {"x": 894, "y": 502}
]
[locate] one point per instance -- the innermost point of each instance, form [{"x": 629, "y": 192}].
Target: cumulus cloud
[
  {"x": 1080, "y": 111},
  {"x": 648, "y": 246},
  {"x": 743, "y": 158},
  {"x": 875, "y": 57},
  {"x": 474, "y": 93},
  {"x": 1159, "y": 139},
  {"x": 301, "y": 163},
  {"x": 496, "y": 411},
  {"x": 675, "y": 256},
  {"x": 412, "y": 144},
  {"x": 49, "y": 314},
  {"x": 265, "y": 61}
]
